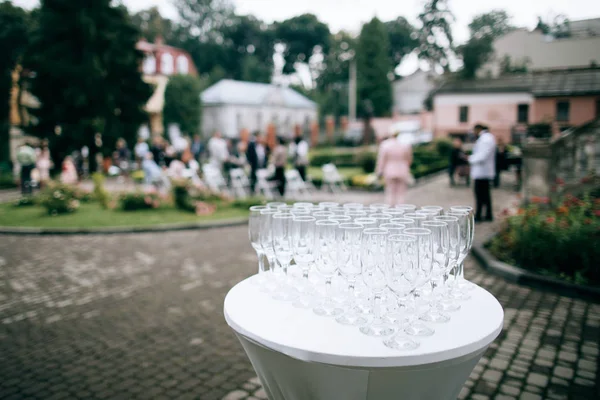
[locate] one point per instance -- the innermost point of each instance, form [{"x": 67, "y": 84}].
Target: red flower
[
  {"x": 550, "y": 220},
  {"x": 586, "y": 179},
  {"x": 560, "y": 181},
  {"x": 521, "y": 211},
  {"x": 597, "y": 213},
  {"x": 540, "y": 200},
  {"x": 505, "y": 212}
]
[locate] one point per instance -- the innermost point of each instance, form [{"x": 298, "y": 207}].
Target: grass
[
  {"x": 346, "y": 172},
  {"x": 91, "y": 215}
]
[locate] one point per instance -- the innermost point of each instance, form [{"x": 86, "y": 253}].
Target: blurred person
[
  {"x": 158, "y": 150},
  {"x": 123, "y": 157},
  {"x": 458, "y": 162},
  {"x": 393, "y": 164},
  {"x": 256, "y": 156},
  {"x": 483, "y": 168},
  {"x": 140, "y": 150},
  {"x": 300, "y": 156},
  {"x": 68, "y": 173},
  {"x": 280, "y": 155},
  {"x": 501, "y": 160},
  {"x": 152, "y": 171},
  {"x": 217, "y": 150},
  {"x": 44, "y": 164},
  {"x": 197, "y": 148},
  {"x": 176, "y": 168},
  {"x": 26, "y": 158}
]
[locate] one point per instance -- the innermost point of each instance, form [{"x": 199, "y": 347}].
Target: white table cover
[{"x": 300, "y": 356}]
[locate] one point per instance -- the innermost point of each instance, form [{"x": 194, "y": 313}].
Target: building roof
[
  {"x": 572, "y": 82},
  {"x": 162, "y": 59},
  {"x": 228, "y": 91},
  {"x": 585, "y": 27}
]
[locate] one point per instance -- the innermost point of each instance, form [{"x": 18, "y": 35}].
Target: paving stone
[
  {"x": 530, "y": 396},
  {"x": 492, "y": 376},
  {"x": 537, "y": 379},
  {"x": 562, "y": 372}
]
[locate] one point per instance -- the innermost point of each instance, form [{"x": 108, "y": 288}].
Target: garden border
[
  {"x": 520, "y": 276},
  {"x": 8, "y": 230}
]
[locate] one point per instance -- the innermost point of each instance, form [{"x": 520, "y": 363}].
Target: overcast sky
[{"x": 350, "y": 14}]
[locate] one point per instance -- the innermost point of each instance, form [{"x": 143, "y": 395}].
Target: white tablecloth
[{"x": 300, "y": 356}]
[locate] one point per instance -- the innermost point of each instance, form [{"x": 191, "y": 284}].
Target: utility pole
[{"x": 352, "y": 91}]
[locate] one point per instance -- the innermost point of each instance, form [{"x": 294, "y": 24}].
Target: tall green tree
[
  {"x": 373, "y": 68},
  {"x": 182, "y": 103},
  {"x": 152, "y": 25},
  {"x": 302, "y": 37},
  {"x": 14, "y": 36},
  {"x": 204, "y": 18},
  {"x": 403, "y": 39},
  {"x": 88, "y": 77},
  {"x": 435, "y": 33},
  {"x": 484, "y": 29}
]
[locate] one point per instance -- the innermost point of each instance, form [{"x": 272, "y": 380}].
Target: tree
[
  {"x": 203, "y": 18},
  {"x": 435, "y": 34},
  {"x": 88, "y": 77},
  {"x": 484, "y": 29},
  {"x": 152, "y": 25},
  {"x": 403, "y": 39},
  {"x": 302, "y": 36},
  {"x": 182, "y": 103},
  {"x": 342, "y": 50},
  {"x": 14, "y": 36},
  {"x": 373, "y": 67}
]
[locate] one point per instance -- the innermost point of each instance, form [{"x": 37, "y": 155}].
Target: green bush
[
  {"x": 26, "y": 201},
  {"x": 321, "y": 157},
  {"x": 139, "y": 201},
  {"x": 186, "y": 197},
  {"x": 100, "y": 193},
  {"x": 58, "y": 198},
  {"x": 560, "y": 242},
  {"x": 443, "y": 147},
  {"x": 368, "y": 161},
  {"x": 7, "y": 181},
  {"x": 246, "y": 203}
]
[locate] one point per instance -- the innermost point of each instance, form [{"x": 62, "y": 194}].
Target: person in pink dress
[
  {"x": 68, "y": 175},
  {"x": 393, "y": 164}
]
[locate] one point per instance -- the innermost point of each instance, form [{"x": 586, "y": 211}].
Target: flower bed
[{"x": 559, "y": 241}]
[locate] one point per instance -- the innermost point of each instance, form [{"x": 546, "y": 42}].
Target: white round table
[{"x": 298, "y": 355}]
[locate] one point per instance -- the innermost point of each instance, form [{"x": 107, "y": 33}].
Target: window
[
  {"x": 562, "y": 111},
  {"x": 182, "y": 65},
  {"x": 166, "y": 64},
  {"x": 149, "y": 66},
  {"x": 463, "y": 114},
  {"x": 523, "y": 113}
]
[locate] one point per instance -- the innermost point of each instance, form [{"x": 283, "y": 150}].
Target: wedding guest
[
  {"x": 458, "y": 161},
  {"x": 152, "y": 171},
  {"x": 197, "y": 148},
  {"x": 483, "y": 166},
  {"x": 300, "y": 156},
  {"x": 26, "y": 158},
  {"x": 140, "y": 150},
  {"x": 123, "y": 157},
  {"x": 44, "y": 164},
  {"x": 256, "y": 156},
  {"x": 68, "y": 174},
  {"x": 393, "y": 164},
  {"x": 279, "y": 161},
  {"x": 158, "y": 150},
  {"x": 217, "y": 150},
  {"x": 501, "y": 160}
]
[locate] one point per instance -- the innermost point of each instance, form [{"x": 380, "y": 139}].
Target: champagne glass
[
  {"x": 303, "y": 245},
  {"x": 366, "y": 222},
  {"x": 418, "y": 218},
  {"x": 373, "y": 259},
  {"x": 401, "y": 278},
  {"x": 447, "y": 303},
  {"x": 355, "y": 213},
  {"x": 353, "y": 206},
  {"x": 407, "y": 222},
  {"x": 342, "y": 219},
  {"x": 393, "y": 228},
  {"x": 438, "y": 210},
  {"x": 325, "y": 205},
  {"x": 429, "y": 214},
  {"x": 395, "y": 212},
  {"x": 326, "y": 263},
  {"x": 282, "y": 247},
  {"x": 464, "y": 240},
  {"x": 254, "y": 228},
  {"x": 424, "y": 259},
  {"x": 266, "y": 240},
  {"x": 302, "y": 204},
  {"x": 320, "y": 215},
  {"x": 440, "y": 259},
  {"x": 381, "y": 218},
  {"x": 463, "y": 283},
  {"x": 276, "y": 204},
  {"x": 408, "y": 208},
  {"x": 349, "y": 237},
  {"x": 379, "y": 207}
]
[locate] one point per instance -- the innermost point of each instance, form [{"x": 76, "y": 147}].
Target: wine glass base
[
  {"x": 435, "y": 316},
  {"x": 466, "y": 285},
  {"x": 418, "y": 329},
  {"x": 460, "y": 296},
  {"x": 397, "y": 318},
  {"x": 377, "y": 330},
  {"x": 448, "y": 305},
  {"x": 284, "y": 296},
  {"x": 304, "y": 302},
  {"x": 399, "y": 342},
  {"x": 351, "y": 319},
  {"x": 327, "y": 311}
]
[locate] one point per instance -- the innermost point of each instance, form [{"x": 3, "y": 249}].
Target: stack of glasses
[{"x": 403, "y": 266}]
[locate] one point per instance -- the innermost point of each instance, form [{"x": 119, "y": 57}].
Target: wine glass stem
[
  {"x": 305, "y": 273},
  {"x": 376, "y": 308},
  {"x": 327, "y": 290},
  {"x": 261, "y": 262},
  {"x": 351, "y": 289}
]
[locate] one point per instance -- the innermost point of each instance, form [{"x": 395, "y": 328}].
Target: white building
[
  {"x": 410, "y": 92},
  {"x": 537, "y": 51},
  {"x": 230, "y": 106}
]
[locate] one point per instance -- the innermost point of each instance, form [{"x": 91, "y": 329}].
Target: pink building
[{"x": 562, "y": 98}]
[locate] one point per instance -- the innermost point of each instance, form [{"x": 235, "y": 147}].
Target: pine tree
[
  {"x": 88, "y": 77},
  {"x": 373, "y": 68}
]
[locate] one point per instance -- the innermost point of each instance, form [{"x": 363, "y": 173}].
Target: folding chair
[
  {"x": 239, "y": 182},
  {"x": 332, "y": 179},
  {"x": 295, "y": 187},
  {"x": 264, "y": 186},
  {"x": 214, "y": 179}
]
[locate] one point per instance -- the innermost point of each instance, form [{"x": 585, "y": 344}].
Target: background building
[
  {"x": 232, "y": 106},
  {"x": 411, "y": 91}
]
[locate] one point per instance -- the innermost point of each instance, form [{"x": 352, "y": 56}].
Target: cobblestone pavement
[{"x": 140, "y": 316}]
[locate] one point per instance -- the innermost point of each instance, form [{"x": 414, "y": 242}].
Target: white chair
[
  {"x": 295, "y": 186},
  {"x": 214, "y": 179},
  {"x": 239, "y": 182},
  {"x": 264, "y": 187},
  {"x": 332, "y": 179}
]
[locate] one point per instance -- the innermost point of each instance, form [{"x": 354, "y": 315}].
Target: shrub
[
  {"x": 7, "y": 180},
  {"x": 186, "y": 197},
  {"x": 443, "y": 147},
  {"x": 139, "y": 201},
  {"x": 367, "y": 160},
  {"x": 100, "y": 193},
  {"x": 25, "y": 201},
  {"x": 560, "y": 241},
  {"x": 138, "y": 176},
  {"x": 58, "y": 198},
  {"x": 330, "y": 155}
]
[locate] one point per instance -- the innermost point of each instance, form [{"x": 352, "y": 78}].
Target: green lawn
[
  {"x": 346, "y": 172},
  {"x": 92, "y": 215}
]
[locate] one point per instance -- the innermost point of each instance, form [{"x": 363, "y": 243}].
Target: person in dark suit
[{"x": 256, "y": 154}]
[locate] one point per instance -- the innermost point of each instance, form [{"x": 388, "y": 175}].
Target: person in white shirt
[
  {"x": 483, "y": 170},
  {"x": 300, "y": 156},
  {"x": 217, "y": 150},
  {"x": 140, "y": 150}
]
